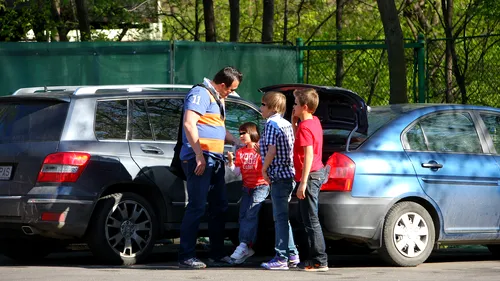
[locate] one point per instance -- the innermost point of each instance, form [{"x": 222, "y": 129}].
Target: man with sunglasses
[{"x": 202, "y": 159}]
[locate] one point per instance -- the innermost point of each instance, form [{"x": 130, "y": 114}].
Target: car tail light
[
  {"x": 341, "y": 173},
  {"x": 63, "y": 167}
]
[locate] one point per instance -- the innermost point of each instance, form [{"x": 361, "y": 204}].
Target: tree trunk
[
  {"x": 285, "y": 23},
  {"x": 451, "y": 59},
  {"x": 234, "y": 32},
  {"x": 197, "y": 21},
  {"x": 339, "y": 69},
  {"x": 395, "y": 51},
  {"x": 55, "y": 10},
  {"x": 38, "y": 22},
  {"x": 268, "y": 21},
  {"x": 82, "y": 14},
  {"x": 208, "y": 10},
  {"x": 448, "y": 25}
]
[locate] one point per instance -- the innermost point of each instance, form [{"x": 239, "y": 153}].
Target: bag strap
[{"x": 216, "y": 97}]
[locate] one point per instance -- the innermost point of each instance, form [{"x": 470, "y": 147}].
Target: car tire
[
  {"x": 408, "y": 235},
  {"x": 495, "y": 250},
  {"x": 28, "y": 251},
  {"x": 123, "y": 229}
]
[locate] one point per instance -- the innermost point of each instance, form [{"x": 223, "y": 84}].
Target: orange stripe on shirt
[
  {"x": 212, "y": 119},
  {"x": 212, "y": 145}
]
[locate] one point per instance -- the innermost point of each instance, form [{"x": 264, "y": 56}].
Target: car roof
[{"x": 66, "y": 93}]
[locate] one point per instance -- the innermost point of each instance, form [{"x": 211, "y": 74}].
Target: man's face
[{"x": 226, "y": 90}]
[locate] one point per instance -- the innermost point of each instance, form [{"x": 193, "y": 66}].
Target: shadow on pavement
[{"x": 165, "y": 257}]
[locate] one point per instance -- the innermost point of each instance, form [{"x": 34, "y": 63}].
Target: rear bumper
[
  {"x": 17, "y": 212},
  {"x": 344, "y": 216}
]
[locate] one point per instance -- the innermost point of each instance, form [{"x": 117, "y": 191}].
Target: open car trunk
[{"x": 338, "y": 109}]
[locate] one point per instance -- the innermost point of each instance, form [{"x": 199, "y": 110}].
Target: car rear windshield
[
  {"x": 32, "y": 121},
  {"x": 376, "y": 119}
]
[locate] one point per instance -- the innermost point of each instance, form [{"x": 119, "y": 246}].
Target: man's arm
[
  {"x": 295, "y": 122},
  {"x": 230, "y": 139},
  {"x": 191, "y": 118},
  {"x": 306, "y": 169}
]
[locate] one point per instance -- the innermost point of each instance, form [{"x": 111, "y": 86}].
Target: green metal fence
[
  {"x": 472, "y": 78},
  {"x": 365, "y": 68},
  {"x": 100, "y": 63}
]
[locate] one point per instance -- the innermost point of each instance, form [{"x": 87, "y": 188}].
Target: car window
[
  {"x": 156, "y": 119},
  {"x": 237, "y": 114},
  {"x": 376, "y": 120},
  {"x": 492, "y": 123},
  {"x": 140, "y": 126},
  {"x": 32, "y": 121},
  {"x": 111, "y": 120},
  {"x": 445, "y": 132},
  {"x": 416, "y": 139}
]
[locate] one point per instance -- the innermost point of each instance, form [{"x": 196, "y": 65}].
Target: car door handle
[
  {"x": 151, "y": 149},
  {"x": 432, "y": 165}
]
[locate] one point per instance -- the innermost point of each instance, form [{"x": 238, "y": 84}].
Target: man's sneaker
[
  {"x": 242, "y": 253},
  {"x": 312, "y": 267},
  {"x": 192, "y": 263},
  {"x": 293, "y": 261},
  {"x": 275, "y": 264},
  {"x": 222, "y": 262}
]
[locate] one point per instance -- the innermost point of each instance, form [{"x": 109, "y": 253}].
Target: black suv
[{"x": 91, "y": 164}]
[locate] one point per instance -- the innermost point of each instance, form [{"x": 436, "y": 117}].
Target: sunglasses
[
  {"x": 242, "y": 133},
  {"x": 263, "y": 104}
]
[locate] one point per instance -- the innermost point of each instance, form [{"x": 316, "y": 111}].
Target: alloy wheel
[{"x": 128, "y": 228}]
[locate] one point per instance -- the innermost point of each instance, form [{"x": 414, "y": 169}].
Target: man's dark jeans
[
  {"x": 208, "y": 187},
  {"x": 308, "y": 209}
]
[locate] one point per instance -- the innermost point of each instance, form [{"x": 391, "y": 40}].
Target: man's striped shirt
[{"x": 211, "y": 127}]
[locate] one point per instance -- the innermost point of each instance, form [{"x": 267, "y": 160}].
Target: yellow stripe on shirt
[
  {"x": 212, "y": 145},
  {"x": 212, "y": 119}
]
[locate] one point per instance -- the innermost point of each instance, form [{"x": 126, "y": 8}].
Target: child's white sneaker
[{"x": 241, "y": 253}]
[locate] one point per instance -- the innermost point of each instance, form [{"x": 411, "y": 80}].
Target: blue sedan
[{"x": 404, "y": 178}]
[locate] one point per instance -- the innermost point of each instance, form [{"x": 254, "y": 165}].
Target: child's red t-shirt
[
  {"x": 309, "y": 132},
  {"x": 250, "y": 164}
]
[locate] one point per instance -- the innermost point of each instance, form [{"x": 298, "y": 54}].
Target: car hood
[{"x": 338, "y": 108}]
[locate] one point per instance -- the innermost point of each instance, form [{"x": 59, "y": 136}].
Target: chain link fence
[
  {"x": 472, "y": 75},
  {"x": 469, "y": 76},
  {"x": 365, "y": 69}
]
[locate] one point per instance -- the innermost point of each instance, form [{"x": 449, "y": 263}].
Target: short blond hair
[
  {"x": 307, "y": 97},
  {"x": 275, "y": 101}
]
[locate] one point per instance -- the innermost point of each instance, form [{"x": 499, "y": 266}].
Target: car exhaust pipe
[{"x": 28, "y": 230}]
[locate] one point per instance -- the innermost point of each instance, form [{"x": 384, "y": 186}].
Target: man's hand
[
  {"x": 256, "y": 147},
  {"x": 295, "y": 119},
  {"x": 230, "y": 157},
  {"x": 200, "y": 165},
  {"x": 264, "y": 174},
  {"x": 301, "y": 191}
]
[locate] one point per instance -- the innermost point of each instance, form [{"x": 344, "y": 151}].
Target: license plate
[{"x": 5, "y": 172}]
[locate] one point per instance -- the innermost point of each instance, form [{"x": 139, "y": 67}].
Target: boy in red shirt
[
  {"x": 309, "y": 174},
  {"x": 248, "y": 163}
]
